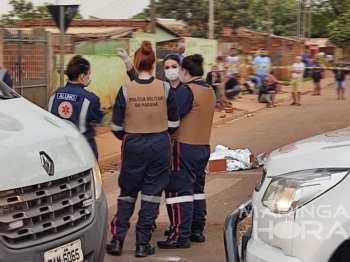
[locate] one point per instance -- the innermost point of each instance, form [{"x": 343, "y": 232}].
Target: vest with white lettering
[
  {"x": 195, "y": 127},
  {"x": 146, "y": 109}
]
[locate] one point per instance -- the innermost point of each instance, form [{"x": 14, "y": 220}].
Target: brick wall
[{"x": 282, "y": 50}]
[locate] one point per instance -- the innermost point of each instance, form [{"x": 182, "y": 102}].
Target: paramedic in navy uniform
[
  {"x": 185, "y": 196},
  {"x": 144, "y": 114},
  {"x": 77, "y": 105}
]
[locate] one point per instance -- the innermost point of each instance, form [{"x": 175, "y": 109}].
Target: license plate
[{"x": 71, "y": 252}]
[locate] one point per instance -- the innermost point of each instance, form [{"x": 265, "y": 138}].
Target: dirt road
[{"x": 263, "y": 132}]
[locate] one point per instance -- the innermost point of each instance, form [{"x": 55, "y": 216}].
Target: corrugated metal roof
[
  {"x": 321, "y": 42},
  {"x": 91, "y": 31},
  {"x": 87, "y": 31}
]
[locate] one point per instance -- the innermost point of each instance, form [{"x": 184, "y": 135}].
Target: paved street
[{"x": 263, "y": 132}]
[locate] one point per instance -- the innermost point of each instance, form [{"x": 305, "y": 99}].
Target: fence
[{"x": 26, "y": 56}]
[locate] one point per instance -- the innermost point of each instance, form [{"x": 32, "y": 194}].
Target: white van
[
  {"x": 52, "y": 206},
  {"x": 300, "y": 208}
]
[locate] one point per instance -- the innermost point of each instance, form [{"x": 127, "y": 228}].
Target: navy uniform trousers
[
  {"x": 145, "y": 167},
  {"x": 185, "y": 196},
  {"x": 93, "y": 145}
]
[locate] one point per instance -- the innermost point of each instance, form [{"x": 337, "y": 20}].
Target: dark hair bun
[
  {"x": 198, "y": 59},
  {"x": 146, "y": 47}
]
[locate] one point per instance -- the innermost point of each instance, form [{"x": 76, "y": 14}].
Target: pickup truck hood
[
  {"x": 25, "y": 131},
  {"x": 329, "y": 150}
]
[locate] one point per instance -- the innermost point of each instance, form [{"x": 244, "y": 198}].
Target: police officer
[
  {"x": 144, "y": 114},
  {"x": 77, "y": 105},
  {"x": 185, "y": 196}
]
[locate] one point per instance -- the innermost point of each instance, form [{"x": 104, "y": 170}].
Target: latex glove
[{"x": 123, "y": 55}]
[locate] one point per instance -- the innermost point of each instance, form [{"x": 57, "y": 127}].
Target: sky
[{"x": 111, "y": 9}]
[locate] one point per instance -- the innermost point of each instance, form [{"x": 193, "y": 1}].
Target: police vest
[
  {"x": 146, "y": 109},
  {"x": 195, "y": 127}
]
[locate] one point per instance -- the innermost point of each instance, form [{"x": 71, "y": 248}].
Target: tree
[
  {"x": 195, "y": 13},
  {"x": 339, "y": 30},
  {"x": 251, "y": 14},
  {"x": 21, "y": 9}
]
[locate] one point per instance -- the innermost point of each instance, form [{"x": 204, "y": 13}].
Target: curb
[{"x": 113, "y": 158}]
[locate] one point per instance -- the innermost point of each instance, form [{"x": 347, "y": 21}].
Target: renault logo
[{"x": 47, "y": 164}]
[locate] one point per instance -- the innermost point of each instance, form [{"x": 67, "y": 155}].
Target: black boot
[
  {"x": 170, "y": 244},
  {"x": 144, "y": 250},
  {"x": 115, "y": 247},
  {"x": 197, "y": 236},
  {"x": 168, "y": 231}
]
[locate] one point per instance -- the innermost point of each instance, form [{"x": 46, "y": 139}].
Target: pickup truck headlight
[
  {"x": 290, "y": 191},
  {"x": 97, "y": 181}
]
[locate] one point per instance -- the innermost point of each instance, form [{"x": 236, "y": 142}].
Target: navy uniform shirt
[
  {"x": 79, "y": 106},
  {"x": 120, "y": 105}
]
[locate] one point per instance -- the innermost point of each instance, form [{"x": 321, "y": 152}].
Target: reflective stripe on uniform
[
  {"x": 51, "y": 102},
  {"x": 116, "y": 128},
  {"x": 199, "y": 196},
  {"x": 125, "y": 92},
  {"x": 167, "y": 89},
  {"x": 83, "y": 115},
  {"x": 127, "y": 199},
  {"x": 176, "y": 200},
  {"x": 153, "y": 199},
  {"x": 174, "y": 123}
]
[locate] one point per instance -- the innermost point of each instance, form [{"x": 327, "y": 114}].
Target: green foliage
[
  {"x": 330, "y": 18},
  {"x": 22, "y": 9},
  {"x": 339, "y": 30}
]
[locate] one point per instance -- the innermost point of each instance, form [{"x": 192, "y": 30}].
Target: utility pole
[
  {"x": 153, "y": 16},
  {"x": 304, "y": 20},
  {"x": 268, "y": 42},
  {"x": 310, "y": 19},
  {"x": 298, "y": 19},
  {"x": 211, "y": 19},
  {"x": 62, "y": 45}
]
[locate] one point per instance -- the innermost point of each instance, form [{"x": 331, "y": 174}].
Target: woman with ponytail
[{"x": 144, "y": 115}]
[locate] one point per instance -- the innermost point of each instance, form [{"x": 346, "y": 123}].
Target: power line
[
  {"x": 107, "y": 7},
  {"x": 114, "y": 9},
  {"x": 130, "y": 9}
]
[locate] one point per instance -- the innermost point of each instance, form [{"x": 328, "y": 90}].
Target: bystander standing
[
  {"x": 262, "y": 61},
  {"x": 214, "y": 80},
  {"x": 340, "y": 75},
  {"x": 297, "y": 80},
  {"x": 316, "y": 75}
]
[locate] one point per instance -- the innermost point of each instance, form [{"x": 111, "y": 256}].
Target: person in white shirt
[
  {"x": 297, "y": 80},
  {"x": 232, "y": 60}
]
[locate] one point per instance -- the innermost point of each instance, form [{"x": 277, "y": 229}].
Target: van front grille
[{"x": 30, "y": 215}]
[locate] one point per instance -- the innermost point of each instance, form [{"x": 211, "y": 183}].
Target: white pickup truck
[
  {"x": 52, "y": 206},
  {"x": 300, "y": 208}
]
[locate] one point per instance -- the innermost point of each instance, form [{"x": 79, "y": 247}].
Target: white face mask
[
  {"x": 172, "y": 74},
  {"x": 86, "y": 84}
]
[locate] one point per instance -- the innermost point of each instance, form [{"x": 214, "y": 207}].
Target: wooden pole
[
  {"x": 211, "y": 19},
  {"x": 153, "y": 16}
]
